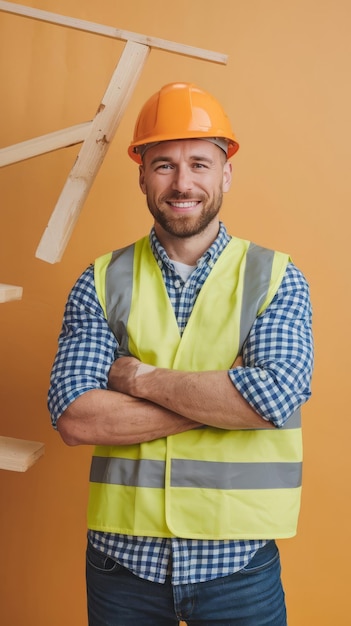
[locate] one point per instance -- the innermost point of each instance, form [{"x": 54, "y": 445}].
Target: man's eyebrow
[
  {"x": 167, "y": 159},
  {"x": 159, "y": 159},
  {"x": 201, "y": 157}
]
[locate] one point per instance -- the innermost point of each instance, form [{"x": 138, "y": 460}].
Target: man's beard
[{"x": 184, "y": 226}]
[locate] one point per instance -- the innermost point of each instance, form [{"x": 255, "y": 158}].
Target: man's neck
[{"x": 187, "y": 250}]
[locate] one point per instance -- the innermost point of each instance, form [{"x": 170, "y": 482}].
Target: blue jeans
[{"x": 251, "y": 597}]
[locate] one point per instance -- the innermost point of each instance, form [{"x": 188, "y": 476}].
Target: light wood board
[
  {"x": 19, "y": 454},
  {"x": 10, "y": 292}
]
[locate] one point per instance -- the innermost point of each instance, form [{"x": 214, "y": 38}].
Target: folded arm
[
  {"x": 143, "y": 403},
  {"x": 208, "y": 397},
  {"x": 262, "y": 390},
  {"x": 82, "y": 409},
  {"x": 100, "y": 417}
]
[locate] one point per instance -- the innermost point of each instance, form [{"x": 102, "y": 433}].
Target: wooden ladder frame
[{"x": 96, "y": 135}]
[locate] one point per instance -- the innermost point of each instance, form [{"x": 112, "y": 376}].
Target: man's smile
[{"x": 184, "y": 205}]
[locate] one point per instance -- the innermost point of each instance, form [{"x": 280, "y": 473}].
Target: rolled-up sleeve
[
  {"x": 86, "y": 348},
  {"x": 278, "y": 354}
]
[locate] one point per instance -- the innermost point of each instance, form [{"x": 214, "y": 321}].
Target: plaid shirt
[{"x": 278, "y": 356}]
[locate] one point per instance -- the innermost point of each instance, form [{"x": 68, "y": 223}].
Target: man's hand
[
  {"x": 126, "y": 369},
  {"x": 208, "y": 397},
  {"x": 123, "y": 373}
]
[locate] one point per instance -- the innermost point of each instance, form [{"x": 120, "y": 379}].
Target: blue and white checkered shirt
[{"x": 278, "y": 357}]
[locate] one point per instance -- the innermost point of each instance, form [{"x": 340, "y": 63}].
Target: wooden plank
[
  {"x": 110, "y": 31},
  {"x": 19, "y": 454},
  {"x": 92, "y": 152},
  {"x": 10, "y": 292},
  {"x": 45, "y": 143}
]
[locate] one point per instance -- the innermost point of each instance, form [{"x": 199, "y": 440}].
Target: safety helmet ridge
[{"x": 181, "y": 111}]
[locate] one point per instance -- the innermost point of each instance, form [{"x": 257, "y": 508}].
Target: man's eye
[{"x": 164, "y": 166}]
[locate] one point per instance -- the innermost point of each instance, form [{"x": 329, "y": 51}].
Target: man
[{"x": 184, "y": 358}]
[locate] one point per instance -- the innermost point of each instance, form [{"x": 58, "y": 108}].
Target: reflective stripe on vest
[
  {"x": 199, "y": 474},
  {"x": 205, "y": 483}
]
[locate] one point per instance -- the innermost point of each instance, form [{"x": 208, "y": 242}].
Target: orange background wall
[{"x": 286, "y": 89}]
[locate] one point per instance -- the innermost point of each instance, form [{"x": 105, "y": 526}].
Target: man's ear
[
  {"x": 142, "y": 179},
  {"x": 227, "y": 176}
]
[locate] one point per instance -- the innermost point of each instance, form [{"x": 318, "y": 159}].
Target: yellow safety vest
[{"x": 207, "y": 483}]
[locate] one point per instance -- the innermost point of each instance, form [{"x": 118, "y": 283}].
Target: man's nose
[{"x": 182, "y": 180}]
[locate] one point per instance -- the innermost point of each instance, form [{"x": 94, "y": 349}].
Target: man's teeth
[{"x": 184, "y": 205}]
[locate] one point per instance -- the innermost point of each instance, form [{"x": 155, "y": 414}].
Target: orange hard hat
[{"x": 181, "y": 111}]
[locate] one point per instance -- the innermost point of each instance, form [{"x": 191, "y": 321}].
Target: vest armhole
[{"x": 100, "y": 265}]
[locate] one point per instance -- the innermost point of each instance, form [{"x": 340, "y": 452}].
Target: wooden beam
[
  {"x": 98, "y": 134},
  {"x": 45, "y": 143},
  {"x": 92, "y": 152},
  {"x": 18, "y": 454},
  {"x": 10, "y": 292},
  {"x": 110, "y": 31}
]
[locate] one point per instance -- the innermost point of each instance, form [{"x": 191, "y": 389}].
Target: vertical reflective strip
[
  {"x": 257, "y": 278},
  {"x": 119, "y": 287},
  {"x": 293, "y": 422}
]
